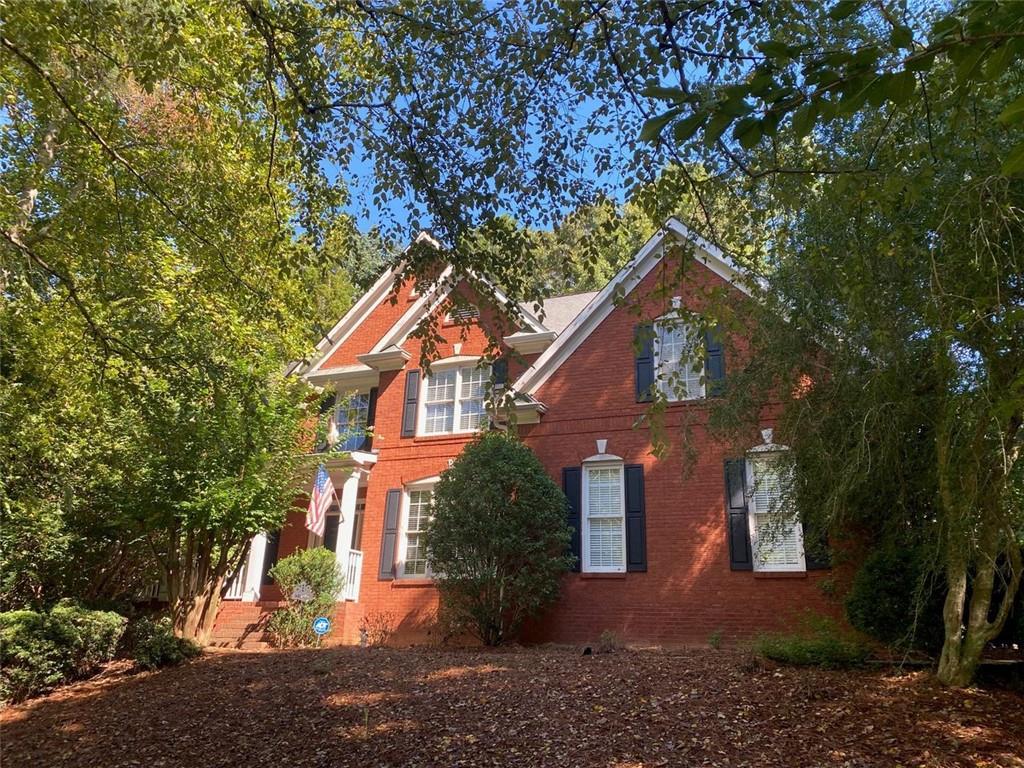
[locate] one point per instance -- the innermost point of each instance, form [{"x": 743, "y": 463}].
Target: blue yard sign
[{"x": 321, "y": 625}]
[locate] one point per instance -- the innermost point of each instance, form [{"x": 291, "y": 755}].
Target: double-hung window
[
  {"x": 776, "y": 534},
  {"x": 680, "y": 373},
  {"x": 413, "y": 555},
  {"x": 454, "y": 400},
  {"x": 350, "y": 418},
  {"x": 604, "y": 519}
]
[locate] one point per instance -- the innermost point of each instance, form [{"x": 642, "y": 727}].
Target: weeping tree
[{"x": 890, "y": 322}]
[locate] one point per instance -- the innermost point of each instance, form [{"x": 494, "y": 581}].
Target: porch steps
[{"x": 242, "y": 625}]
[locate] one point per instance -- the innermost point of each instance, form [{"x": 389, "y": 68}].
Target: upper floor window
[
  {"x": 413, "y": 553},
  {"x": 679, "y": 371},
  {"x": 350, "y": 419},
  {"x": 604, "y": 519},
  {"x": 776, "y": 535},
  {"x": 454, "y": 400}
]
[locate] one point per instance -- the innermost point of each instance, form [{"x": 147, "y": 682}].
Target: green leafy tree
[
  {"x": 498, "y": 539},
  {"x": 155, "y": 286},
  {"x": 890, "y": 155}
]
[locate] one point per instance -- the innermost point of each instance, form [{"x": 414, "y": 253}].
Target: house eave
[
  {"x": 526, "y": 343},
  {"x": 390, "y": 359},
  {"x": 345, "y": 377}
]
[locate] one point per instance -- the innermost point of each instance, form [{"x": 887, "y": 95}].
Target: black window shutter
[
  {"x": 499, "y": 372},
  {"x": 817, "y": 556},
  {"x": 740, "y": 558},
  {"x": 636, "y": 524},
  {"x": 572, "y": 485},
  {"x": 714, "y": 361},
  {"x": 643, "y": 347},
  {"x": 412, "y": 396},
  {"x": 325, "y": 407},
  {"x": 371, "y": 415},
  {"x": 392, "y": 505}
]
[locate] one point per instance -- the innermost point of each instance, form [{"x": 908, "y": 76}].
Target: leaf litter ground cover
[{"x": 530, "y": 707}]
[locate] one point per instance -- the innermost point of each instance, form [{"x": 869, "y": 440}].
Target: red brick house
[{"x": 665, "y": 555}]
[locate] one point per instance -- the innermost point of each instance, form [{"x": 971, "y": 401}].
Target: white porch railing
[
  {"x": 236, "y": 584},
  {"x": 353, "y": 573}
]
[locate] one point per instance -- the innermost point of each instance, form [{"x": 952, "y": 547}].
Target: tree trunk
[
  {"x": 194, "y": 614},
  {"x": 965, "y": 641}
]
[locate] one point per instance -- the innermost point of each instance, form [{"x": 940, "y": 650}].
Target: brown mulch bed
[{"x": 535, "y": 707}]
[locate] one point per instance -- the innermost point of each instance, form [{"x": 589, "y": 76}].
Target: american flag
[{"x": 320, "y": 501}]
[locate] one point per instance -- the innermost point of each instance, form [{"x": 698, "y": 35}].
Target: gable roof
[
  {"x": 427, "y": 304},
  {"x": 602, "y": 304},
  {"x": 359, "y": 312}
]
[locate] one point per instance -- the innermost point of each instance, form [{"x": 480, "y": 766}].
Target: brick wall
[{"x": 688, "y": 591}]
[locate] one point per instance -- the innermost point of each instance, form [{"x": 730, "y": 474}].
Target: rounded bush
[
  {"x": 498, "y": 541},
  {"x": 313, "y": 572},
  {"x": 41, "y": 650},
  {"x": 153, "y": 644}
]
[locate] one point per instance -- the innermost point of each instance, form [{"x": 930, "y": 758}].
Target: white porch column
[
  {"x": 347, "y": 503},
  {"x": 254, "y": 568}
]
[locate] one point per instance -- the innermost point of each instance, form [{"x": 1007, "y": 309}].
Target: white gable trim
[
  {"x": 359, "y": 311},
  {"x": 602, "y": 305},
  {"x": 353, "y": 318},
  {"x": 400, "y": 330},
  {"x": 429, "y": 303}
]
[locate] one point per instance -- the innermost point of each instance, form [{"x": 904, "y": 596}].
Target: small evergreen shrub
[
  {"x": 715, "y": 639},
  {"x": 154, "y": 644},
  {"x": 310, "y": 581},
  {"x": 891, "y": 600},
  {"x": 499, "y": 539},
  {"x": 819, "y": 644},
  {"x": 41, "y": 650}
]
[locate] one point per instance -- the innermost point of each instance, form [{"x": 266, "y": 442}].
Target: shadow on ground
[{"x": 534, "y": 707}]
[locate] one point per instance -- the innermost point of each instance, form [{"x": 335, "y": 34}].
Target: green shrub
[
  {"x": 41, "y": 650},
  {"x": 818, "y": 644},
  {"x": 153, "y": 644},
  {"x": 892, "y": 600},
  {"x": 315, "y": 573},
  {"x": 497, "y": 544}
]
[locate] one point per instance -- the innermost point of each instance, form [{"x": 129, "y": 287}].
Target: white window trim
[
  {"x": 586, "y": 567},
  {"x": 458, "y": 364},
  {"x": 799, "y": 567},
  {"x": 420, "y": 485},
  {"x": 669, "y": 392}
]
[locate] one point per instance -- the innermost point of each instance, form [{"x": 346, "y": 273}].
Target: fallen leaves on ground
[{"x": 530, "y": 707}]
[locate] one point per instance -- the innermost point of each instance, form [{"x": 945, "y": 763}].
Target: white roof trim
[
  {"x": 399, "y": 332},
  {"x": 626, "y": 280},
  {"x": 390, "y": 359},
  {"x": 427, "y": 304},
  {"x": 353, "y": 318},
  {"x": 358, "y": 376},
  {"x": 359, "y": 311},
  {"x": 528, "y": 343}
]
